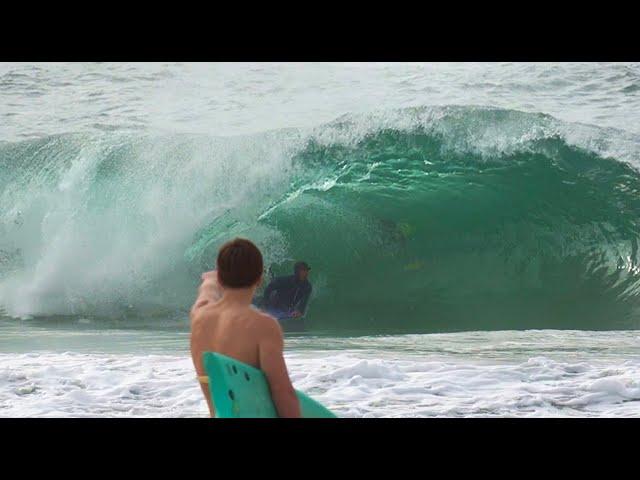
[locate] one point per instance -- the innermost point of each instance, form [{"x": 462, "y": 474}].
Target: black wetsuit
[{"x": 286, "y": 294}]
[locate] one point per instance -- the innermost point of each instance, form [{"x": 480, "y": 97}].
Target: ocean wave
[{"x": 416, "y": 220}]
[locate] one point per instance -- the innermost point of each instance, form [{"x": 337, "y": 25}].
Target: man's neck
[{"x": 238, "y": 296}]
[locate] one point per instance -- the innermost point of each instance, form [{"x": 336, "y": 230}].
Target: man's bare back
[{"x": 224, "y": 321}]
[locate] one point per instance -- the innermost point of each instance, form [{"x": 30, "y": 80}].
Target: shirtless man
[{"x": 224, "y": 321}]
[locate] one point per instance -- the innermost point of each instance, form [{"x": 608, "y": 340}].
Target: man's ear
[{"x": 218, "y": 279}]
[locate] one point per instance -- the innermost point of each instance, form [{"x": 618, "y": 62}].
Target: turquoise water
[
  {"x": 476, "y": 218},
  {"x": 484, "y": 201}
]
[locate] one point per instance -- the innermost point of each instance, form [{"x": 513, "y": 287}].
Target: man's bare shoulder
[
  {"x": 266, "y": 323},
  {"x": 202, "y": 315}
]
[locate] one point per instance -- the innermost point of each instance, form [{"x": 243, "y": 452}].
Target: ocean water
[{"x": 472, "y": 228}]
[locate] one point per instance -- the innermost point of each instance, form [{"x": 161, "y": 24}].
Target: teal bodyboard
[{"x": 239, "y": 390}]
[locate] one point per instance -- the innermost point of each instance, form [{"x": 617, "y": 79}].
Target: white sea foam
[{"x": 524, "y": 374}]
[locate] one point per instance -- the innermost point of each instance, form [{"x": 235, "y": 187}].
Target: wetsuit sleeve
[
  {"x": 273, "y": 285},
  {"x": 301, "y": 306}
]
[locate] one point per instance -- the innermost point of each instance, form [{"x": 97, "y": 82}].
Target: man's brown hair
[{"x": 239, "y": 264}]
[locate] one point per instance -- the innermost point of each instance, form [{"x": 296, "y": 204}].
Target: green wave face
[
  {"x": 424, "y": 220},
  {"x": 412, "y": 239}
]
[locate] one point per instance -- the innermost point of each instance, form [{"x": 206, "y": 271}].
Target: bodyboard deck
[{"x": 239, "y": 390}]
